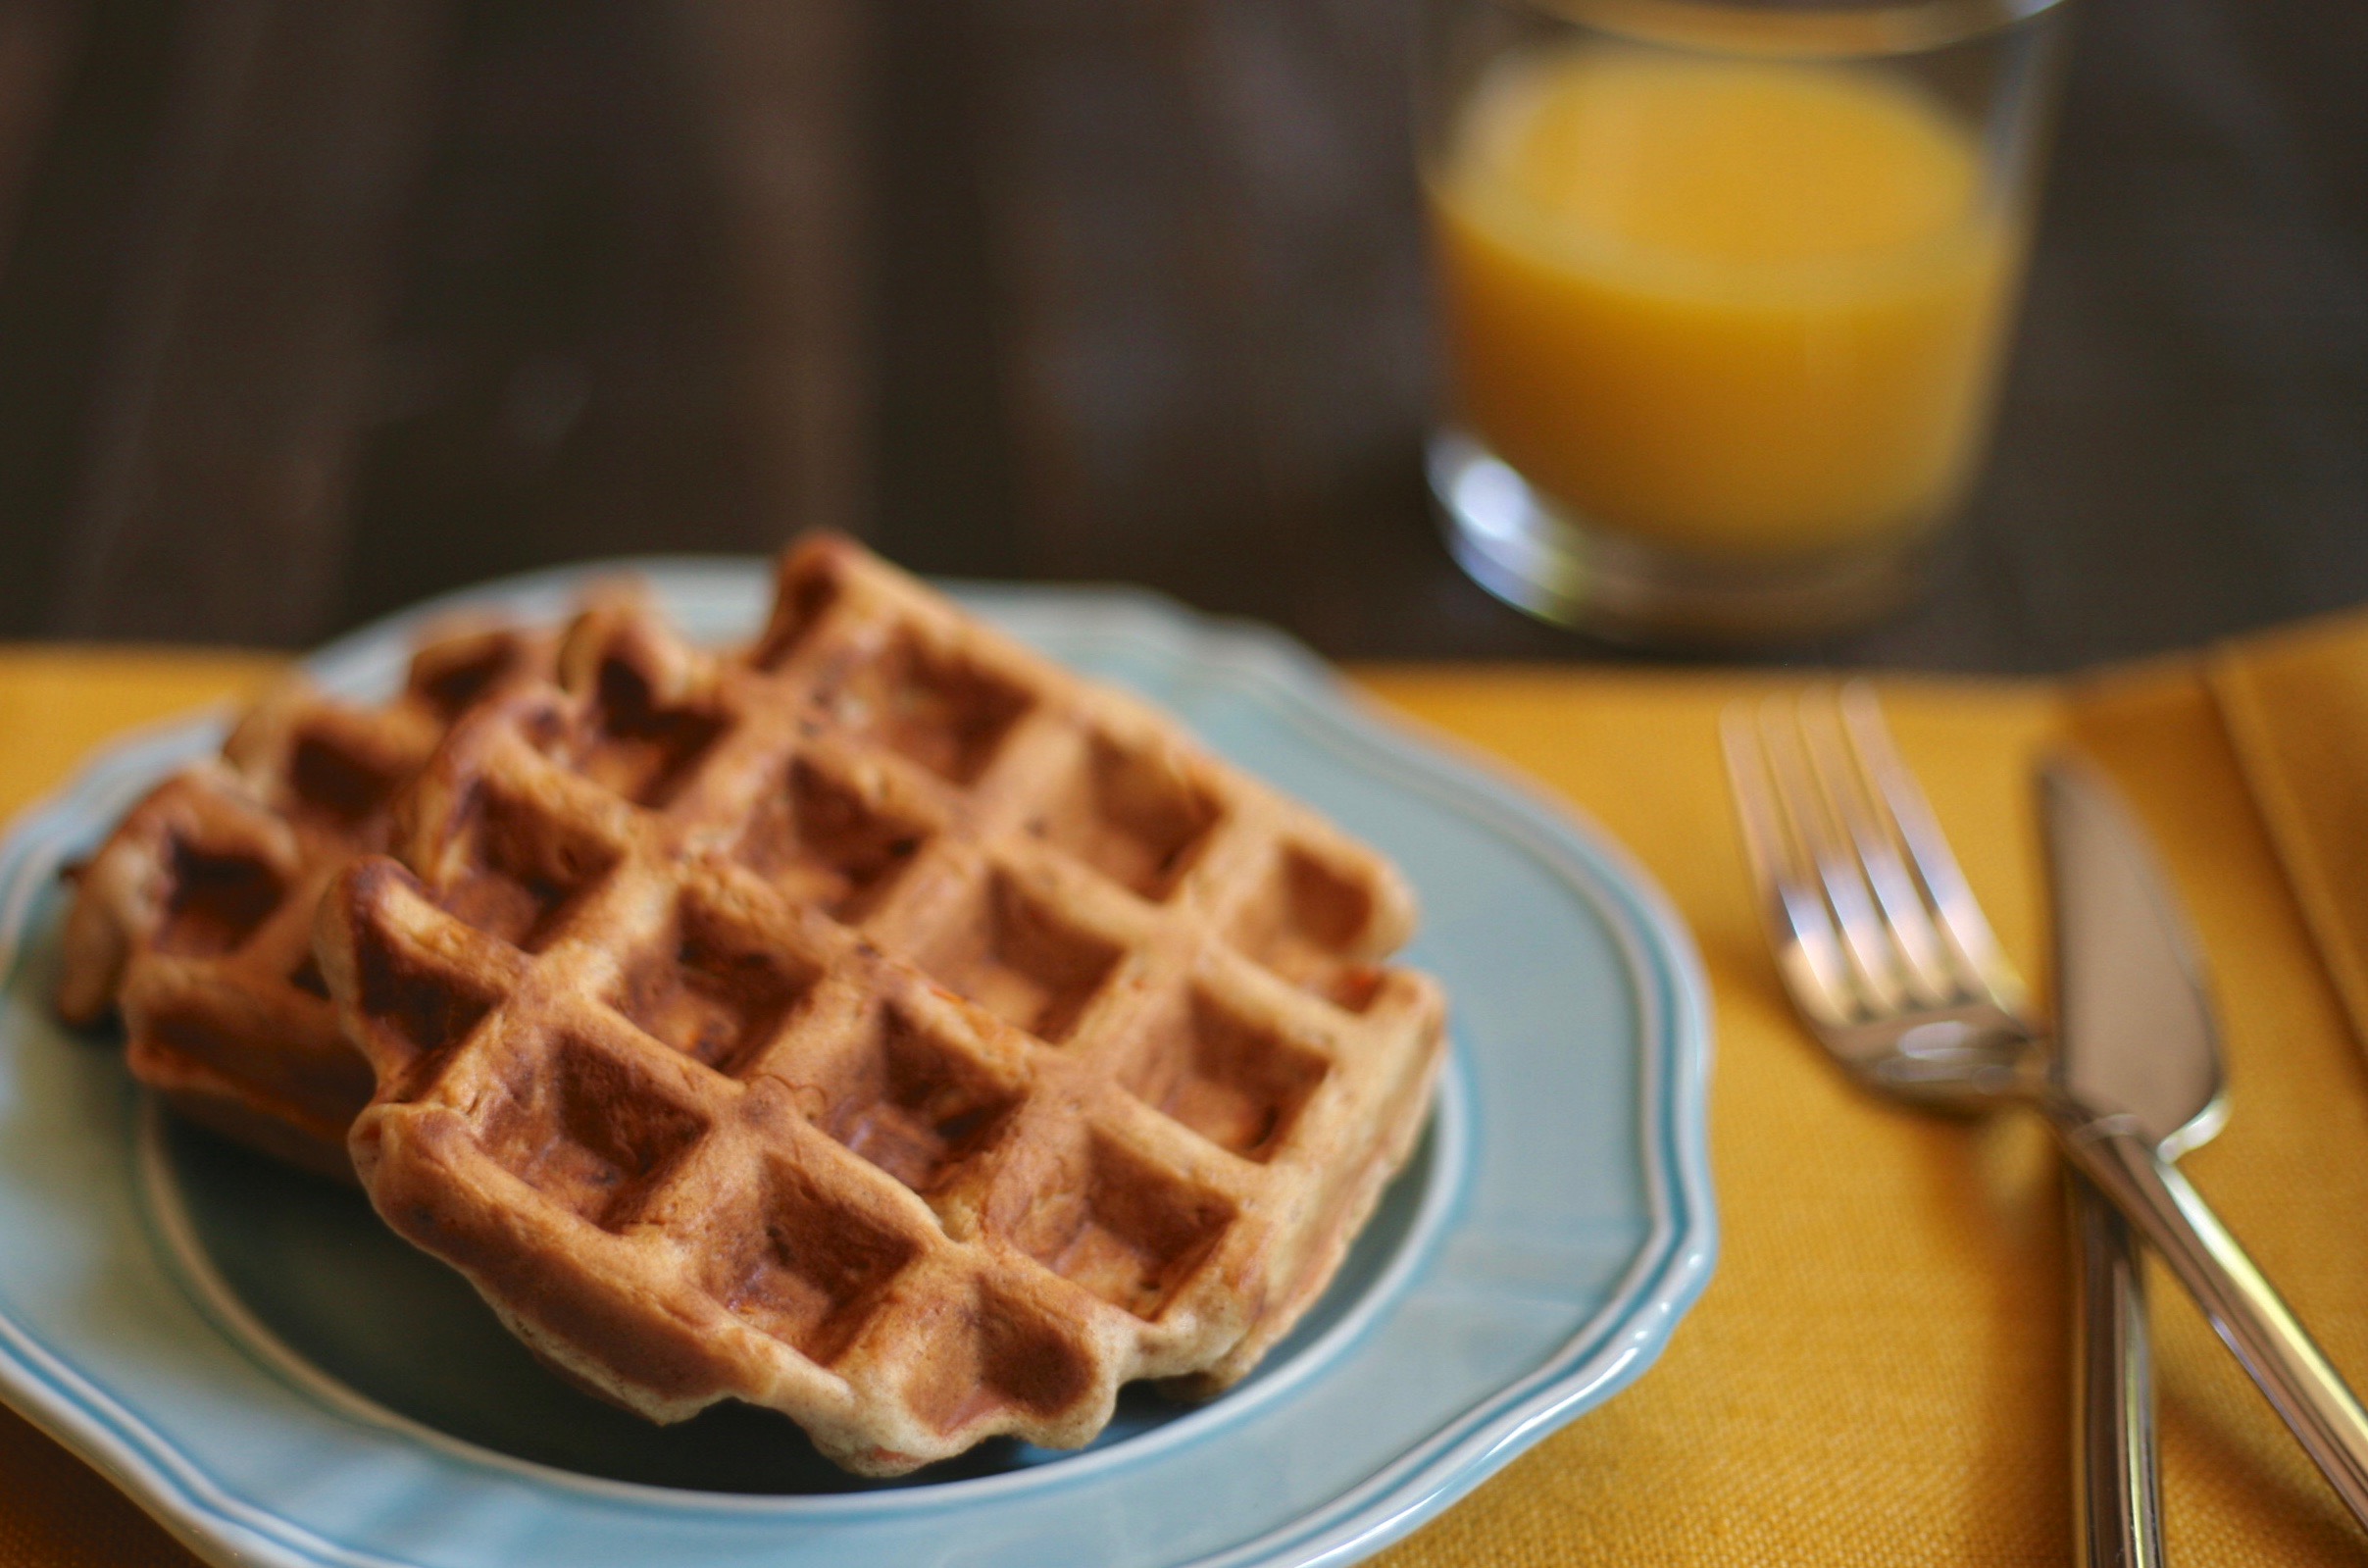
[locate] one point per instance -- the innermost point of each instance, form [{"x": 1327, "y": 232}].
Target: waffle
[
  {"x": 877, "y": 1024},
  {"x": 194, "y": 919}
]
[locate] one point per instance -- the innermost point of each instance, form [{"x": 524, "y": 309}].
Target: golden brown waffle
[
  {"x": 194, "y": 919},
  {"x": 880, "y": 1025}
]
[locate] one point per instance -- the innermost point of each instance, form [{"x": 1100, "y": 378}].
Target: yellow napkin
[
  {"x": 2296, "y": 706},
  {"x": 1878, "y": 1372}
]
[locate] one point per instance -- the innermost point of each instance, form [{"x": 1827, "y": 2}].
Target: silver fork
[
  {"x": 1888, "y": 958},
  {"x": 1884, "y": 950}
]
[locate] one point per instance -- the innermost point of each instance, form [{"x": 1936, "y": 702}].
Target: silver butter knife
[
  {"x": 2137, "y": 1024},
  {"x": 2166, "y": 1074}
]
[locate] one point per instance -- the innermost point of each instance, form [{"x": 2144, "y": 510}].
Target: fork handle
[
  {"x": 2245, "y": 1309},
  {"x": 2117, "y": 1508}
]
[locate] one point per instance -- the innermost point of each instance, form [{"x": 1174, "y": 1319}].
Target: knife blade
[
  {"x": 2164, "y": 1067},
  {"x": 2135, "y": 1023}
]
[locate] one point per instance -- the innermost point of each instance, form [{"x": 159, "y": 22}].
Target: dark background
[{"x": 308, "y": 309}]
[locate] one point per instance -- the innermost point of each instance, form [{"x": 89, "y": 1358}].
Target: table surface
[
  {"x": 1878, "y": 1372},
  {"x": 308, "y": 311}
]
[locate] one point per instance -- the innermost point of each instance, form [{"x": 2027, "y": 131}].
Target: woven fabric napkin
[{"x": 1878, "y": 1372}]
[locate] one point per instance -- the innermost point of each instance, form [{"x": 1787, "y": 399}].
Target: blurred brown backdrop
[{"x": 308, "y": 310}]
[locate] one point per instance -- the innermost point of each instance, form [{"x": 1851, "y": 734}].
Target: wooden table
[{"x": 308, "y": 310}]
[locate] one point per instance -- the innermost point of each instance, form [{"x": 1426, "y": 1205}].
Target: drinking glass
[{"x": 1723, "y": 286}]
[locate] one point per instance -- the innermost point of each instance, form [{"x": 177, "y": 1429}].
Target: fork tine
[
  {"x": 1981, "y": 964},
  {"x": 1875, "y": 959},
  {"x": 1925, "y": 963},
  {"x": 1807, "y": 948}
]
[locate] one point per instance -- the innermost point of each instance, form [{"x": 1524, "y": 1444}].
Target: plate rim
[{"x": 1670, "y": 1268}]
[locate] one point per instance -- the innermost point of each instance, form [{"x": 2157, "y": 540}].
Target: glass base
[{"x": 1538, "y": 558}]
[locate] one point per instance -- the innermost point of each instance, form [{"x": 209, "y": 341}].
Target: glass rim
[{"x": 1832, "y": 29}]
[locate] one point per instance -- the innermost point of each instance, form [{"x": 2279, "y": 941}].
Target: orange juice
[{"x": 1741, "y": 309}]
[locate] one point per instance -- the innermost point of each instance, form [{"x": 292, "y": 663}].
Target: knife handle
[
  {"x": 2245, "y": 1309},
  {"x": 2116, "y": 1501}
]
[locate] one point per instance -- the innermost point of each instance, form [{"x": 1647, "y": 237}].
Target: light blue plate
[{"x": 280, "y": 1381}]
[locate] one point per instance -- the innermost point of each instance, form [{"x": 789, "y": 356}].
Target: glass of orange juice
[{"x": 1725, "y": 285}]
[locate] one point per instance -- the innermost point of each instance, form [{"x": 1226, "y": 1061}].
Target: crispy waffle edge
[{"x": 193, "y": 920}]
